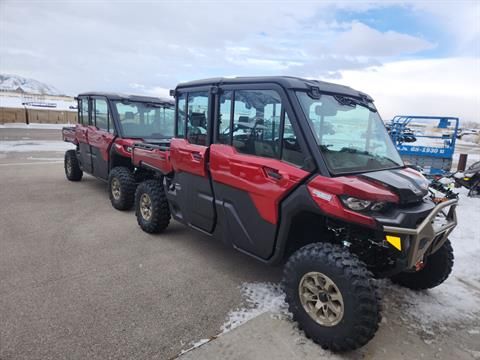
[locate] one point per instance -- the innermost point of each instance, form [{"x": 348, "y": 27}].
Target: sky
[{"x": 412, "y": 57}]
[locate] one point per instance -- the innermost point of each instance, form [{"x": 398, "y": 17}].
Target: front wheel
[
  {"x": 151, "y": 207},
  {"x": 438, "y": 267},
  {"x": 121, "y": 186},
  {"x": 332, "y": 296}
]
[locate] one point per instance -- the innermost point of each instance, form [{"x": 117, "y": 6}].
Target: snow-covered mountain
[{"x": 14, "y": 82}]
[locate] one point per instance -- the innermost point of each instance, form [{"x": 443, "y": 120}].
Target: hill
[{"x": 17, "y": 83}]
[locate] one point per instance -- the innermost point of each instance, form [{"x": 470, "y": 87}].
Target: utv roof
[
  {"x": 288, "y": 82},
  {"x": 117, "y": 96}
]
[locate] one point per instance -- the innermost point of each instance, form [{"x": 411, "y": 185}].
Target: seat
[{"x": 197, "y": 132}]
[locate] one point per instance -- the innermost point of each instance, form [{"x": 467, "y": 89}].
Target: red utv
[
  {"x": 108, "y": 126},
  {"x": 303, "y": 172}
]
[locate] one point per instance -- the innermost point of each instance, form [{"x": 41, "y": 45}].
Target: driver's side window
[
  {"x": 101, "y": 114},
  {"x": 256, "y": 122},
  {"x": 83, "y": 117},
  {"x": 197, "y": 118}
]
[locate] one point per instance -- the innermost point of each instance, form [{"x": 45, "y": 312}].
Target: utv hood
[{"x": 408, "y": 184}]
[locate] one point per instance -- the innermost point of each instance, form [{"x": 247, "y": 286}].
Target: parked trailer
[{"x": 432, "y": 158}]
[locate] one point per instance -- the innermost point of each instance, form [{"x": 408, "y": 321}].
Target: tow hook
[{"x": 419, "y": 265}]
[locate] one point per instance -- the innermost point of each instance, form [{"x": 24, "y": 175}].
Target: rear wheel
[
  {"x": 151, "y": 207},
  {"x": 332, "y": 296},
  {"x": 121, "y": 186},
  {"x": 72, "y": 167},
  {"x": 438, "y": 267}
]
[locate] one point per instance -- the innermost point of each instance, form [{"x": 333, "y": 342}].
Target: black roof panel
[
  {"x": 288, "y": 82},
  {"x": 118, "y": 96}
]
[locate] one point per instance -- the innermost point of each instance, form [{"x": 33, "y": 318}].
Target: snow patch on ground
[
  {"x": 455, "y": 301},
  {"x": 34, "y": 126},
  {"x": 34, "y": 145},
  {"x": 260, "y": 298}
]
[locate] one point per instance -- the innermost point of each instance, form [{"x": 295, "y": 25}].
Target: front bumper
[{"x": 427, "y": 237}]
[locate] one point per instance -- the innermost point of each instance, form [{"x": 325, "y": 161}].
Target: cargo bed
[
  {"x": 152, "y": 156},
  {"x": 68, "y": 134}
]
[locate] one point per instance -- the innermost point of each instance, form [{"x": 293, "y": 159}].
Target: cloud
[
  {"x": 109, "y": 45},
  {"x": 149, "y": 47},
  {"x": 458, "y": 18},
  {"x": 362, "y": 40},
  {"x": 422, "y": 87}
]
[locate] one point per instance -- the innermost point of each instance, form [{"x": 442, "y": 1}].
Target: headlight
[{"x": 356, "y": 204}]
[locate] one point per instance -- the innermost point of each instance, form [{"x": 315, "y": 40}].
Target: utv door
[
  {"x": 81, "y": 133},
  {"x": 256, "y": 160},
  {"x": 191, "y": 195},
  {"x": 100, "y": 136}
]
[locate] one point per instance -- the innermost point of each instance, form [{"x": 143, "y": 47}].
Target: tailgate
[
  {"x": 68, "y": 134},
  {"x": 153, "y": 157}
]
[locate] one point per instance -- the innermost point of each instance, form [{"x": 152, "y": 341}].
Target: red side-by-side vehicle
[
  {"x": 109, "y": 124},
  {"x": 301, "y": 173}
]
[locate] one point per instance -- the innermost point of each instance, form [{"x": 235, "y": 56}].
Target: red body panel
[
  {"x": 68, "y": 135},
  {"x": 188, "y": 157},
  {"x": 81, "y": 134},
  {"x": 354, "y": 186},
  {"x": 156, "y": 158},
  {"x": 100, "y": 139},
  {"x": 254, "y": 175},
  {"x": 122, "y": 146},
  {"x": 325, "y": 192}
]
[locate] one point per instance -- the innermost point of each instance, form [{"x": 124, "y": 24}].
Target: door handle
[
  {"x": 196, "y": 156},
  {"x": 272, "y": 173}
]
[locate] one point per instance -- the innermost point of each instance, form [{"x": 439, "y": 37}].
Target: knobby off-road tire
[
  {"x": 349, "y": 276},
  {"x": 438, "y": 267},
  {"x": 121, "y": 188},
  {"x": 151, "y": 207},
  {"x": 72, "y": 167}
]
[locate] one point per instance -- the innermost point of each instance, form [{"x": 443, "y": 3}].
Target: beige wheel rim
[
  {"x": 116, "y": 189},
  {"x": 321, "y": 298},
  {"x": 146, "y": 207},
  {"x": 69, "y": 166}
]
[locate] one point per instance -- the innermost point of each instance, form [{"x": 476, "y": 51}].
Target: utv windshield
[
  {"x": 350, "y": 134},
  {"x": 145, "y": 120}
]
